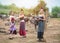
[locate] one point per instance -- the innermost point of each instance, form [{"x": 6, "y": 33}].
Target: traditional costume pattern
[
  {"x": 12, "y": 25},
  {"x": 40, "y": 28},
  {"x": 22, "y": 30}
]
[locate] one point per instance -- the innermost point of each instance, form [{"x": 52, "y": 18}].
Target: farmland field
[{"x": 51, "y": 35}]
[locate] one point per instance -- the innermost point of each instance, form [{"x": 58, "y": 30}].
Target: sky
[{"x": 31, "y": 3}]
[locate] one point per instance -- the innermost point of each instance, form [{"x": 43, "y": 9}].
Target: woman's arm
[
  {"x": 18, "y": 17},
  {"x": 44, "y": 18}
]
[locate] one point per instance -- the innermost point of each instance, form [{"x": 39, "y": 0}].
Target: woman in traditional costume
[
  {"x": 12, "y": 24},
  {"x": 22, "y": 30},
  {"x": 41, "y": 22}
]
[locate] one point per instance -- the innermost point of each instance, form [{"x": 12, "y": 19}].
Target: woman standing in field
[
  {"x": 41, "y": 22},
  {"x": 12, "y": 24},
  {"x": 22, "y": 30}
]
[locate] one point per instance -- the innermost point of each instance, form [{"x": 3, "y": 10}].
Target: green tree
[
  {"x": 5, "y": 9},
  {"x": 13, "y": 7},
  {"x": 55, "y": 11}
]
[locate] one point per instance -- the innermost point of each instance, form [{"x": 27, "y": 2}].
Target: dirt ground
[{"x": 51, "y": 34}]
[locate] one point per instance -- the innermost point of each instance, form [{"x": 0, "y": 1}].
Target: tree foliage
[
  {"x": 41, "y": 4},
  {"x": 55, "y": 11},
  {"x": 13, "y": 7}
]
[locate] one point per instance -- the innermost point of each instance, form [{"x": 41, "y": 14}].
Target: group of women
[
  {"x": 22, "y": 31},
  {"x": 12, "y": 18}
]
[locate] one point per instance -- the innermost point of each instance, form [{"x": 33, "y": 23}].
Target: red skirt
[{"x": 22, "y": 32}]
